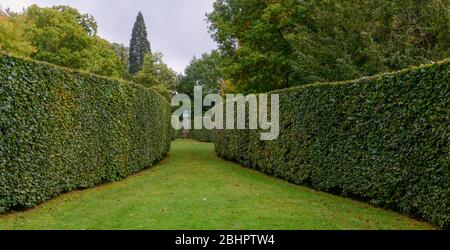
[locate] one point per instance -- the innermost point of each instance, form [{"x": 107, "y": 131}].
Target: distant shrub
[
  {"x": 383, "y": 139},
  {"x": 62, "y": 130}
]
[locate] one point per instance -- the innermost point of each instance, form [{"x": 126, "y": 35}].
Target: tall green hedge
[
  {"x": 202, "y": 135},
  {"x": 383, "y": 139},
  {"x": 62, "y": 130}
]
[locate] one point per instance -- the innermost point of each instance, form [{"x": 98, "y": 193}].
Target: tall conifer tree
[{"x": 139, "y": 45}]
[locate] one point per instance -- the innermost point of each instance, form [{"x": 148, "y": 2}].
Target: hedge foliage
[
  {"x": 383, "y": 139},
  {"x": 63, "y": 130},
  {"x": 202, "y": 135}
]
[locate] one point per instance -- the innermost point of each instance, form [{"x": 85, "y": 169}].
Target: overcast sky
[{"x": 177, "y": 28}]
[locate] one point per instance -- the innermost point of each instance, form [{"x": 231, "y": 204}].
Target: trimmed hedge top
[
  {"x": 62, "y": 130},
  {"x": 384, "y": 139}
]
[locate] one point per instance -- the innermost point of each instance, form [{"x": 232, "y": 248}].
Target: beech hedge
[
  {"x": 383, "y": 139},
  {"x": 202, "y": 135},
  {"x": 62, "y": 130}
]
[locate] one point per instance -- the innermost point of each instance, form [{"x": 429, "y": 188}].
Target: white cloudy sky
[{"x": 177, "y": 28}]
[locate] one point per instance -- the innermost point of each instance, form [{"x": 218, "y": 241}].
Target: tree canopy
[
  {"x": 263, "y": 45},
  {"x": 157, "y": 75},
  {"x": 205, "y": 71},
  {"x": 13, "y": 37},
  {"x": 62, "y": 36},
  {"x": 282, "y": 43}
]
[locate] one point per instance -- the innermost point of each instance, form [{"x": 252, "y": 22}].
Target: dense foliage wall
[
  {"x": 202, "y": 135},
  {"x": 62, "y": 130},
  {"x": 383, "y": 139}
]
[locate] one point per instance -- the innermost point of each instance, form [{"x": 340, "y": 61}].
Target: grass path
[{"x": 194, "y": 189}]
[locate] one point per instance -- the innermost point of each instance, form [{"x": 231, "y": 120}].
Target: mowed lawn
[{"x": 194, "y": 189}]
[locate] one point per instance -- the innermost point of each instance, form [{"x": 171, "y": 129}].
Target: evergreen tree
[{"x": 139, "y": 45}]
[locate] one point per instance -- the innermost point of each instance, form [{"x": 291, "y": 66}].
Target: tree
[
  {"x": 62, "y": 36},
  {"x": 205, "y": 71},
  {"x": 278, "y": 44},
  {"x": 157, "y": 75},
  {"x": 139, "y": 45},
  {"x": 104, "y": 60},
  {"x": 84, "y": 20},
  {"x": 58, "y": 37},
  {"x": 13, "y": 37},
  {"x": 123, "y": 53}
]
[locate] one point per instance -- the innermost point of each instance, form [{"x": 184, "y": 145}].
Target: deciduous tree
[
  {"x": 205, "y": 71},
  {"x": 283, "y": 43},
  {"x": 157, "y": 75}
]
